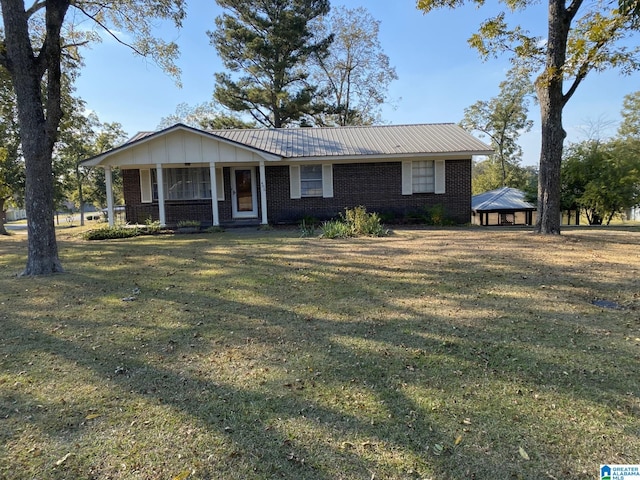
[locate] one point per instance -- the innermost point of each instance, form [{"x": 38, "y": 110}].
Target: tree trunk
[
  {"x": 552, "y": 101},
  {"x": 37, "y": 132},
  {"x": 3, "y": 218}
]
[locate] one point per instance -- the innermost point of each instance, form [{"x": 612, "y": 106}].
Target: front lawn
[{"x": 428, "y": 354}]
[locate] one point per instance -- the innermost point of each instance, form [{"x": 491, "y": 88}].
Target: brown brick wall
[{"x": 377, "y": 186}]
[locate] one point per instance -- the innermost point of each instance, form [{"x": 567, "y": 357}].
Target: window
[
  {"x": 311, "y": 180},
  {"x": 183, "y": 183},
  {"x": 423, "y": 176}
]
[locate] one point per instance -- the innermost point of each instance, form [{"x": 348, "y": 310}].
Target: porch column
[
  {"x": 214, "y": 194},
  {"x": 263, "y": 193},
  {"x": 109, "y": 187},
  {"x": 163, "y": 217}
]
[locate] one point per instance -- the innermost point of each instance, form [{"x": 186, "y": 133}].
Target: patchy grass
[{"x": 434, "y": 354}]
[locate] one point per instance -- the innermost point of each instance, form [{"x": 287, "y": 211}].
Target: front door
[{"x": 243, "y": 193}]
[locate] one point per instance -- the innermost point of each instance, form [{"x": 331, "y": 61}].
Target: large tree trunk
[
  {"x": 549, "y": 89},
  {"x": 38, "y": 132}
]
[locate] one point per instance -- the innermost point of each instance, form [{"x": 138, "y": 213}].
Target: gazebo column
[
  {"x": 263, "y": 193},
  {"x": 214, "y": 194},
  {"x": 161, "y": 209},
  {"x": 109, "y": 188}
]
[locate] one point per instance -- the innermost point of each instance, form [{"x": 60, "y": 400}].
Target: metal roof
[
  {"x": 504, "y": 198},
  {"x": 444, "y": 138}
]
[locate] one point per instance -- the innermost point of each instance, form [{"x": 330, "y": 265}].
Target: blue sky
[{"x": 439, "y": 74}]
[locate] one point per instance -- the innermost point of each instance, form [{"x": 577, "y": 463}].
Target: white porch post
[
  {"x": 163, "y": 217},
  {"x": 263, "y": 193},
  {"x": 109, "y": 187},
  {"x": 214, "y": 194}
]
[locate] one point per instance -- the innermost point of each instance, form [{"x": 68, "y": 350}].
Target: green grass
[{"x": 433, "y": 354}]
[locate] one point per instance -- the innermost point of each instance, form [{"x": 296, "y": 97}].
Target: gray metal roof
[
  {"x": 504, "y": 198},
  {"x": 444, "y": 138}
]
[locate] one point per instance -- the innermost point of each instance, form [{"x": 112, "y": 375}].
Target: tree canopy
[
  {"x": 502, "y": 119},
  {"x": 581, "y": 37},
  {"x": 601, "y": 178},
  {"x": 353, "y": 77},
  {"x": 268, "y": 43},
  {"x": 34, "y": 43}
]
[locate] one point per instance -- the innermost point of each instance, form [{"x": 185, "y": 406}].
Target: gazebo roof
[{"x": 502, "y": 199}]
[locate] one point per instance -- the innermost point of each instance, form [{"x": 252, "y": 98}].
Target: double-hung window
[
  {"x": 311, "y": 180},
  {"x": 423, "y": 176},
  {"x": 314, "y": 180}
]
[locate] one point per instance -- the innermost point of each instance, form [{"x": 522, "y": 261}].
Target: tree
[
  {"x": 503, "y": 119},
  {"x": 603, "y": 179},
  {"x": 581, "y": 37},
  {"x": 630, "y": 126},
  {"x": 11, "y": 165},
  {"x": 353, "y": 78},
  {"x": 205, "y": 116},
  {"x": 270, "y": 42},
  {"x": 32, "y": 53}
]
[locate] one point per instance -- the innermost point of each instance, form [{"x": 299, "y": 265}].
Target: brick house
[{"x": 261, "y": 176}]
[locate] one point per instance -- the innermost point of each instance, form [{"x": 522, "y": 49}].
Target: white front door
[{"x": 243, "y": 193}]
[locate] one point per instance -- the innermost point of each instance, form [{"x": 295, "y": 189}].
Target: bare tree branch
[{"x": 106, "y": 29}]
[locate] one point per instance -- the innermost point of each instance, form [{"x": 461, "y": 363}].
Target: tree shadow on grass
[{"x": 397, "y": 375}]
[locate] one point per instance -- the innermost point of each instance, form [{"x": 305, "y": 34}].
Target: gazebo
[{"x": 504, "y": 206}]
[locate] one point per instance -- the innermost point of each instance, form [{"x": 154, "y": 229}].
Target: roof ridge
[{"x": 337, "y": 127}]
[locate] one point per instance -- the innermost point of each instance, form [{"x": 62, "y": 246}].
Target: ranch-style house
[{"x": 274, "y": 176}]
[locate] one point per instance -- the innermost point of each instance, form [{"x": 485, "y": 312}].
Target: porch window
[{"x": 183, "y": 183}]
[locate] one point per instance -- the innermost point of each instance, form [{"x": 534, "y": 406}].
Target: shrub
[
  {"x": 363, "y": 223},
  {"x": 335, "y": 229},
  {"x": 307, "y": 229},
  {"x": 437, "y": 215},
  {"x": 188, "y": 224},
  {"x": 354, "y": 222},
  {"x": 152, "y": 226},
  {"x": 214, "y": 229},
  {"x": 106, "y": 233}
]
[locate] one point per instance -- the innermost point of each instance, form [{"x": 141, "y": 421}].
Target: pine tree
[{"x": 268, "y": 43}]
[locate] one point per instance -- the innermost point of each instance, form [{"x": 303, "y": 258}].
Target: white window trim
[
  {"x": 220, "y": 184},
  {"x": 146, "y": 189}
]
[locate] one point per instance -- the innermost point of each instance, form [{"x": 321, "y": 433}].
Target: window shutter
[
  {"x": 294, "y": 181},
  {"x": 220, "y": 183},
  {"x": 407, "y": 186},
  {"x": 327, "y": 181},
  {"x": 440, "y": 182},
  {"x": 145, "y": 186}
]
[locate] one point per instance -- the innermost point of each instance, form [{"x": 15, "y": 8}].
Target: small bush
[
  {"x": 363, "y": 223},
  {"x": 188, "y": 224},
  {"x": 354, "y": 222},
  {"x": 107, "y": 233},
  {"x": 152, "y": 226},
  {"x": 335, "y": 229},
  {"x": 307, "y": 229},
  {"x": 214, "y": 229},
  {"x": 437, "y": 215}
]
